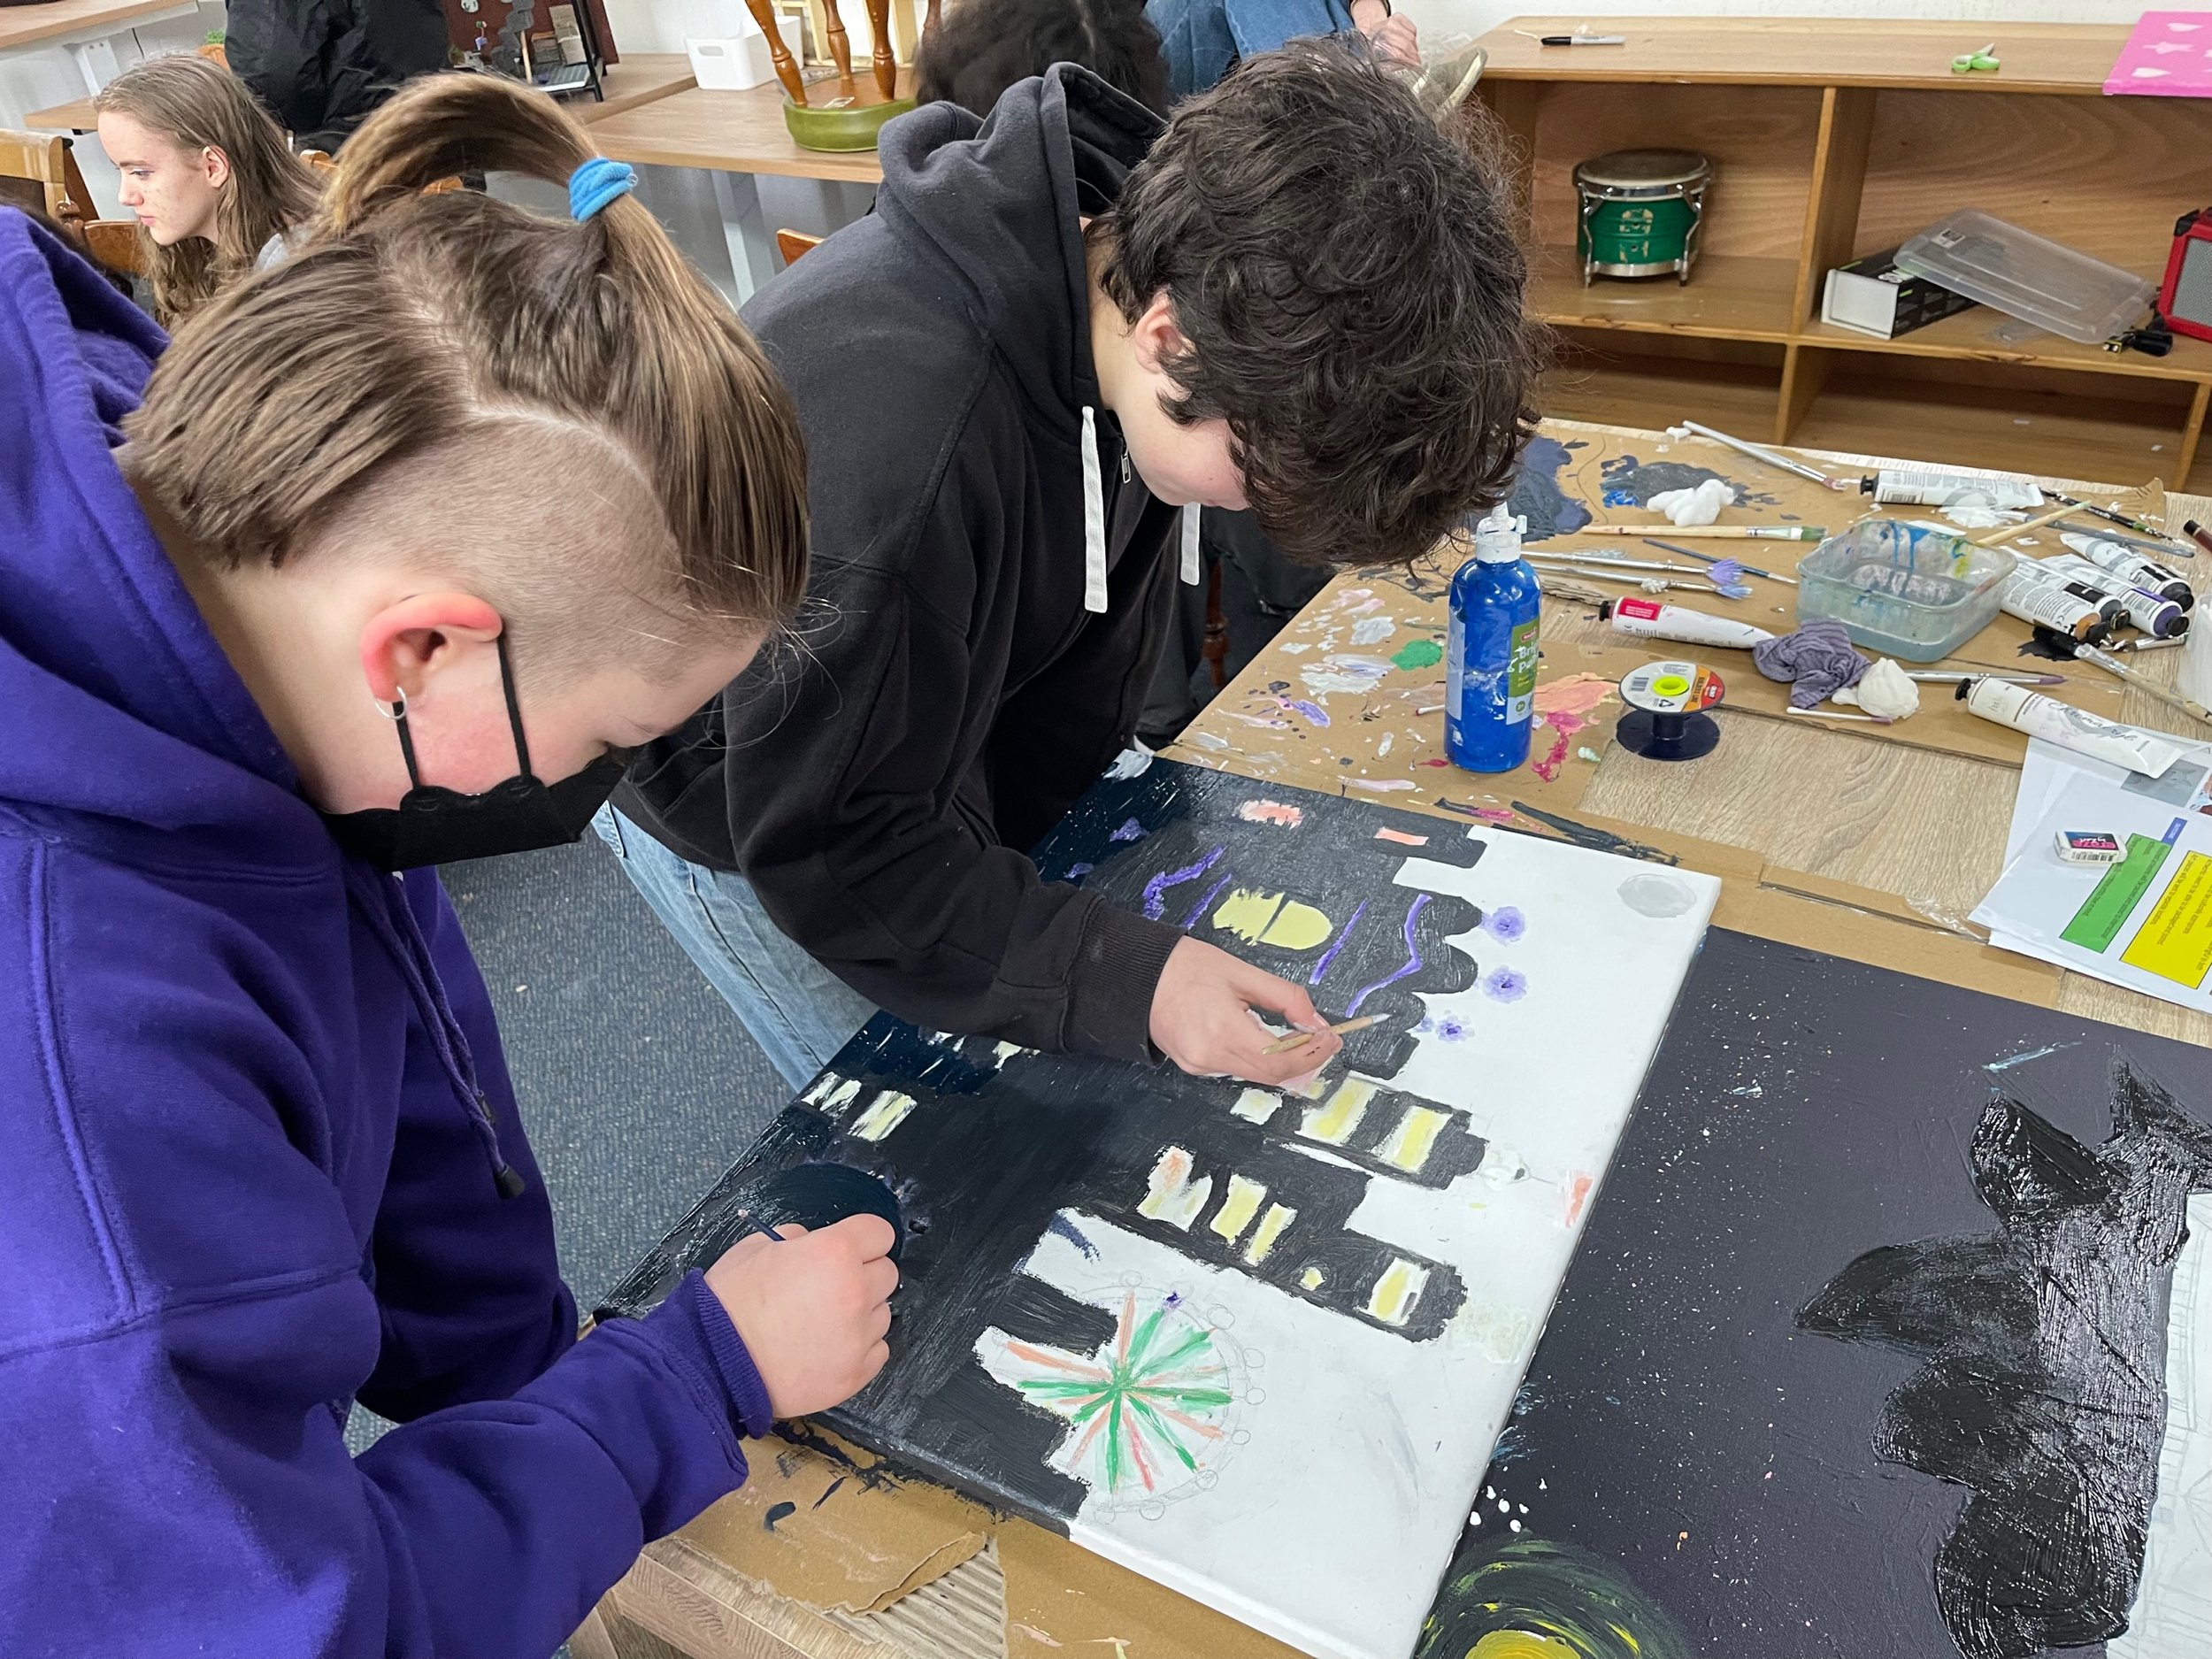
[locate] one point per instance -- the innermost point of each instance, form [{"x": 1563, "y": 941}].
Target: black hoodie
[{"x": 956, "y": 694}]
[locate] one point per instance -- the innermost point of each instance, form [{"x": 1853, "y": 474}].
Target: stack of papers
[{"x": 2146, "y": 922}]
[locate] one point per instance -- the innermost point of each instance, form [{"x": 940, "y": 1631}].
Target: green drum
[{"x": 1639, "y": 210}]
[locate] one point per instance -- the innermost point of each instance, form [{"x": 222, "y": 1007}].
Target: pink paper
[{"x": 2169, "y": 56}]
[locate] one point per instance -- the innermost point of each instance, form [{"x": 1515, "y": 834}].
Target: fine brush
[
  {"x": 1284, "y": 1044},
  {"x": 1715, "y": 558}
]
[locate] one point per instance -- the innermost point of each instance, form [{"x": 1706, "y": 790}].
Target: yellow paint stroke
[
  {"x": 1313, "y": 1278},
  {"x": 1397, "y": 1290},
  {"x": 1238, "y": 1209},
  {"x": 1521, "y": 1644},
  {"x": 885, "y": 1113},
  {"x": 1314, "y": 1087},
  {"x": 1409, "y": 1144},
  {"x": 1271, "y": 1228},
  {"x": 844, "y": 1094},
  {"x": 2176, "y": 942},
  {"x": 1573, "y": 694},
  {"x": 1269, "y": 918},
  {"x": 1174, "y": 1197},
  {"x": 1256, "y": 1105},
  {"x": 1335, "y": 1119}
]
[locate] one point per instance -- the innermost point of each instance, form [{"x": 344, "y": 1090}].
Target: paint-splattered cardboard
[{"x": 1348, "y": 698}]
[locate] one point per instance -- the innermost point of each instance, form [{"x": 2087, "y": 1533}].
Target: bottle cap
[{"x": 1497, "y": 537}]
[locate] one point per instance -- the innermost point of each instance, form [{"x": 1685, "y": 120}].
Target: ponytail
[{"x": 411, "y": 324}]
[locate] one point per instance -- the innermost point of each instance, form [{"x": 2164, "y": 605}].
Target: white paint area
[
  {"x": 2172, "y": 1613},
  {"x": 1329, "y": 1491}
]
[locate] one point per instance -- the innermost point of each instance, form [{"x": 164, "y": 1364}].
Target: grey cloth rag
[{"x": 1818, "y": 660}]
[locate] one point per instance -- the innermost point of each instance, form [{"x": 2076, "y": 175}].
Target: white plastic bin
[{"x": 731, "y": 62}]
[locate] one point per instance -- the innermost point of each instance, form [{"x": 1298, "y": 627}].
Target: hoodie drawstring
[
  {"x": 1193, "y": 571},
  {"x": 384, "y": 906},
  {"x": 1094, "y": 520}
]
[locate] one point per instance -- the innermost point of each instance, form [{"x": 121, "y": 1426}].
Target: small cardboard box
[
  {"x": 1874, "y": 297},
  {"x": 732, "y": 63}
]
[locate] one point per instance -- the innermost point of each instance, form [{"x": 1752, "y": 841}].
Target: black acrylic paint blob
[
  {"x": 2045, "y": 1386},
  {"x": 815, "y": 1195}
]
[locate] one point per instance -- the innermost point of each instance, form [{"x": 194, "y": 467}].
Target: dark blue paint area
[
  {"x": 814, "y": 1195},
  {"x": 1074, "y": 1234},
  {"x": 1539, "y": 497},
  {"x": 778, "y": 1512}
]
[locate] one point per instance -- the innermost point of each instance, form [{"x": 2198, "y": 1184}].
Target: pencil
[{"x": 1284, "y": 1044}]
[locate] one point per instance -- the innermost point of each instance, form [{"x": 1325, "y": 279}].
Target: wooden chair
[
  {"x": 39, "y": 173},
  {"x": 792, "y": 243}
]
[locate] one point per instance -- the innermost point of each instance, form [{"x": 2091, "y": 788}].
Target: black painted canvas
[
  {"x": 1163, "y": 1313},
  {"x": 1864, "y": 1354}
]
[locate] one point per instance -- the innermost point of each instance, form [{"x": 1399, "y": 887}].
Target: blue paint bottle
[{"x": 1490, "y": 684}]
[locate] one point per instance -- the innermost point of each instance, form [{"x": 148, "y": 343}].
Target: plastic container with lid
[
  {"x": 2028, "y": 276},
  {"x": 1904, "y": 589}
]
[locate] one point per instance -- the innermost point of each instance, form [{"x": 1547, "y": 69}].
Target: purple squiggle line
[
  {"x": 1413, "y": 958},
  {"x": 1199, "y": 909},
  {"x": 1156, "y": 889},
  {"x": 1329, "y": 956}
]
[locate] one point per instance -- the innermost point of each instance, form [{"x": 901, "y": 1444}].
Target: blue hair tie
[{"x": 597, "y": 182}]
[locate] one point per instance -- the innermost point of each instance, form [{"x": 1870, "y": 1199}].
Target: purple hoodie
[{"x": 252, "y": 1113}]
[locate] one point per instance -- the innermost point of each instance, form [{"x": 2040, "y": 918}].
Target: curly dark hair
[
  {"x": 980, "y": 48},
  {"x": 1350, "y": 287}
]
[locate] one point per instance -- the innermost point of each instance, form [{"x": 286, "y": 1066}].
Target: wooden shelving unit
[{"x": 1831, "y": 139}]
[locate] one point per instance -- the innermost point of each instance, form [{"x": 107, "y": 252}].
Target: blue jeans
[{"x": 798, "y": 1011}]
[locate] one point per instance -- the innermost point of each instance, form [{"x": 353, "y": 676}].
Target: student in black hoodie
[{"x": 1060, "y": 326}]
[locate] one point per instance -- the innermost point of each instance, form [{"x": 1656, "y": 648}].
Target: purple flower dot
[
  {"x": 1507, "y": 985},
  {"x": 1505, "y": 924}
]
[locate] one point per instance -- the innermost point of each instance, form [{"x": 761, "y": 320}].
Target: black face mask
[{"x": 432, "y": 825}]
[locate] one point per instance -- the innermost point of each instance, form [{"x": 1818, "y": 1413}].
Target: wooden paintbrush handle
[
  {"x": 779, "y": 54},
  {"x": 886, "y": 66}
]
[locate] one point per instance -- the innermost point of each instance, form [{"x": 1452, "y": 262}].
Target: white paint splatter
[
  {"x": 1380, "y": 786},
  {"x": 1372, "y": 630},
  {"x": 1383, "y": 748},
  {"x": 1343, "y": 672},
  {"x": 2007, "y": 1063},
  {"x": 1205, "y": 740}
]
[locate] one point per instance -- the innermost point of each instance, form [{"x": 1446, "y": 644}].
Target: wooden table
[
  {"x": 734, "y": 136},
  {"x": 639, "y": 80},
  {"x": 1825, "y": 836},
  {"x": 85, "y": 28}
]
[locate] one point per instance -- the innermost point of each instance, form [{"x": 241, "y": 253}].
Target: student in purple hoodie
[{"x": 389, "y": 559}]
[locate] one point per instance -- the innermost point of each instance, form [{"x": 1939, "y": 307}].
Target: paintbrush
[
  {"x": 1767, "y": 456},
  {"x": 1598, "y": 556},
  {"x": 2111, "y": 517},
  {"x": 2006, "y": 532},
  {"x": 2144, "y": 683},
  {"x": 1946, "y": 677},
  {"x": 1739, "y": 532},
  {"x": 1284, "y": 1044},
  {"x": 1649, "y": 584},
  {"x": 1715, "y": 558},
  {"x": 2141, "y": 643}
]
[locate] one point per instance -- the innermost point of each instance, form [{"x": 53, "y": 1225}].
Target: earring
[{"x": 397, "y": 712}]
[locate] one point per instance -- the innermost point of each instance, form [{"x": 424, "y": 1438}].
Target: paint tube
[
  {"x": 2160, "y": 617},
  {"x": 2119, "y": 559},
  {"x": 1648, "y": 620},
  {"x": 2037, "y": 596},
  {"x": 1908, "y": 486},
  {"x": 2061, "y": 723}
]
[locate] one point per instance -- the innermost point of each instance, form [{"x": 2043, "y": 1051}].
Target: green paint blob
[{"x": 1419, "y": 654}]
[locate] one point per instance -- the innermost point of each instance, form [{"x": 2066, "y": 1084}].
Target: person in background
[
  {"x": 1061, "y": 329},
  {"x": 217, "y": 191},
  {"x": 1261, "y": 589},
  {"x": 1204, "y": 39},
  {"x": 386, "y": 560},
  {"x": 980, "y": 48},
  {"x": 321, "y": 65}
]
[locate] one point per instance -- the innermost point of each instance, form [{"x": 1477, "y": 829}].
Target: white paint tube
[
  {"x": 2160, "y": 617},
  {"x": 2040, "y": 596},
  {"x": 2061, "y": 723},
  {"x": 1648, "y": 620},
  {"x": 1909, "y": 487},
  {"x": 2117, "y": 558}
]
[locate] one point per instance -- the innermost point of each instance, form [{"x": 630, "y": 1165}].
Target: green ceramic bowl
[{"x": 853, "y": 128}]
